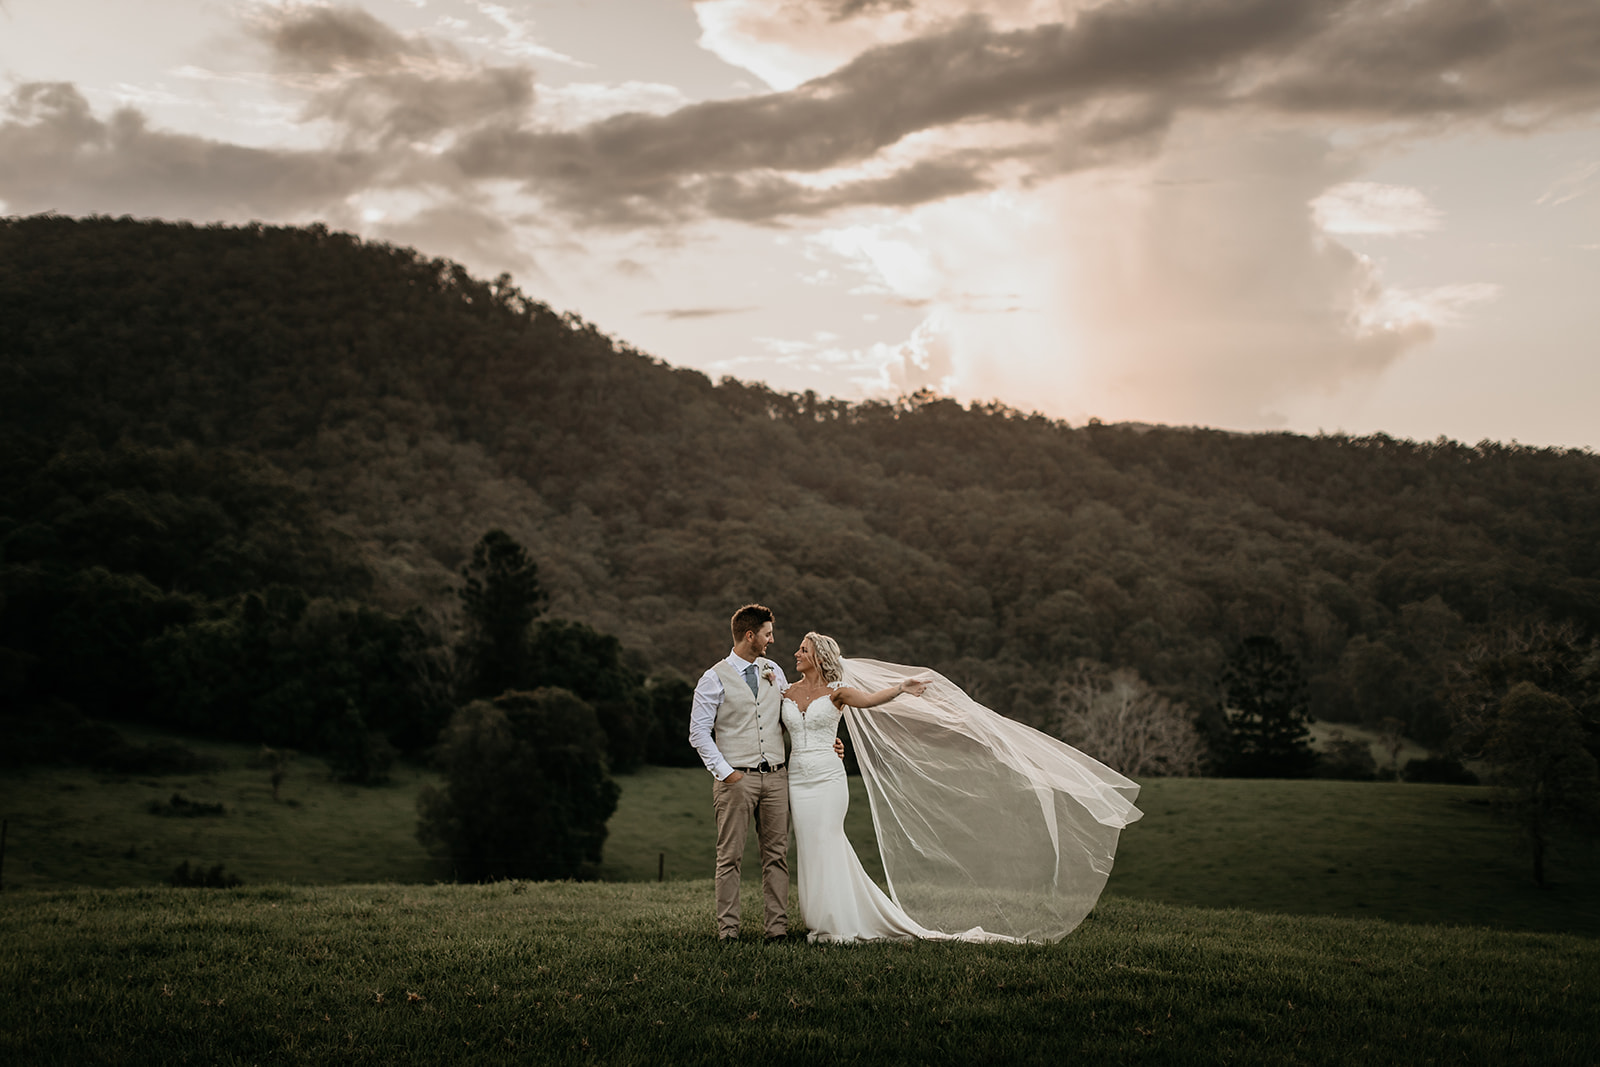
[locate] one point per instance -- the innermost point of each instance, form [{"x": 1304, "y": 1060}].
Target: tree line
[{"x": 244, "y": 468}]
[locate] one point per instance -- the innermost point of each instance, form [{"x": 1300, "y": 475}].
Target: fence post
[
  {"x": 3, "y": 824},
  {"x": 661, "y": 863}
]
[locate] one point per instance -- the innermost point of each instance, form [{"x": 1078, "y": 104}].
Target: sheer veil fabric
[{"x": 986, "y": 826}]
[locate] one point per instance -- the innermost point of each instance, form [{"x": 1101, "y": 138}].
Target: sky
[{"x": 1313, "y": 215}]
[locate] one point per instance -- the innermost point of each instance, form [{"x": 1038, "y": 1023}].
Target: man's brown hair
[{"x": 748, "y": 618}]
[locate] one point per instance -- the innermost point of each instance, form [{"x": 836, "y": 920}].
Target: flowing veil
[{"x": 983, "y": 822}]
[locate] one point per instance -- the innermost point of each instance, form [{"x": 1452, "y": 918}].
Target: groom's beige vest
[{"x": 748, "y": 729}]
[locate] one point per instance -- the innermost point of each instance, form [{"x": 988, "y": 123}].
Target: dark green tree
[
  {"x": 500, "y": 597},
  {"x": 1536, "y": 747},
  {"x": 1561, "y": 659},
  {"x": 578, "y": 657},
  {"x": 526, "y": 792},
  {"x": 670, "y": 700},
  {"x": 1263, "y": 697}
]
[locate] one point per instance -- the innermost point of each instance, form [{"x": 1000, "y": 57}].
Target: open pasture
[
  {"x": 1406, "y": 853},
  {"x": 71, "y": 826},
  {"x": 1369, "y": 922}
]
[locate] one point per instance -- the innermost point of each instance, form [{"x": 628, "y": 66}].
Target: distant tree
[
  {"x": 1442, "y": 770},
  {"x": 1392, "y": 734},
  {"x": 500, "y": 597},
  {"x": 1123, "y": 723},
  {"x": 356, "y": 753},
  {"x": 1263, "y": 698},
  {"x": 214, "y": 877},
  {"x": 670, "y": 700},
  {"x": 276, "y": 761},
  {"x": 280, "y": 668},
  {"x": 526, "y": 790},
  {"x": 1348, "y": 758},
  {"x": 575, "y": 656},
  {"x": 1558, "y": 658},
  {"x": 1536, "y": 748}
]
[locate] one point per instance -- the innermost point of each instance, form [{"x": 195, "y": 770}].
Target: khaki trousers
[{"x": 766, "y": 797}]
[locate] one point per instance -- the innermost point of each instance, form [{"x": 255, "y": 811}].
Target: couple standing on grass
[{"x": 989, "y": 830}]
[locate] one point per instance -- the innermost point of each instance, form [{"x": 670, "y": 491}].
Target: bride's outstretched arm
[{"x": 858, "y": 698}]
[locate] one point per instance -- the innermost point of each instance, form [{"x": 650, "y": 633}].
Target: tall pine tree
[
  {"x": 501, "y": 597},
  {"x": 1264, "y": 698}
]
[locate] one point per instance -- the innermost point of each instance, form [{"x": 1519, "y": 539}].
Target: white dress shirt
[{"x": 703, "y": 712}]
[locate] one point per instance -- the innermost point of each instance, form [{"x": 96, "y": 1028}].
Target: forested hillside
[{"x": 188, "y": 414}]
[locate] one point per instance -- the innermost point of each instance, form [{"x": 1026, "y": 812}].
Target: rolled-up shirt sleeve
[{"x": 702, "y": 717}]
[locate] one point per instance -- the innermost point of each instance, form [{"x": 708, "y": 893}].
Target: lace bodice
[{"x": 811, "y": 735}]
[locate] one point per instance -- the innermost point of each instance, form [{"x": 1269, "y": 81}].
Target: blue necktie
[{"x": 750, "y": 677}]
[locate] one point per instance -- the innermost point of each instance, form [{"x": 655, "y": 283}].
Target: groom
[{"x": 735, "y": 724}]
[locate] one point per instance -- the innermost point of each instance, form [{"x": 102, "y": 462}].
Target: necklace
[{"x": 805, "y": 704}]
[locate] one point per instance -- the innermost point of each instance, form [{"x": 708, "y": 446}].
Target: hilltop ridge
[{"x": 412, "y": 406}]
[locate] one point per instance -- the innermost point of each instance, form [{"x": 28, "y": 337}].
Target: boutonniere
[{"x": 766, "y": 672}]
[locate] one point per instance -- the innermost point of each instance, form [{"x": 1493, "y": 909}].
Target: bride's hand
[{"x": 914, "y": 686}]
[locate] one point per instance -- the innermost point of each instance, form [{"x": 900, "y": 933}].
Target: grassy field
[
  {"x": 1381, "y": 923},
  {"x": 71, "y": 826},
  {"x": 630, "y": 973},
  {"x": 1406, "y": 853}
]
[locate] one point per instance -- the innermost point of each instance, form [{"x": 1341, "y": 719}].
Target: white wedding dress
[
  {"x": 989, "y": 830},
  {"x": 838, "y": 900}
]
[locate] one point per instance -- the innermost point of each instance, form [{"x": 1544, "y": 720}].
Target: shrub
[
  {"x": 1346, "y": 758},
  {"x": 527, "y": 792},
  {"x": 186, "y": 877},
  {"x": 183, "y": 806},
  {"x": 1440, "y": 770},
  {"x": 355, "y": 753}
]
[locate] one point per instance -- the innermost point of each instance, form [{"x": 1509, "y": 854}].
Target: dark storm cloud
[
  {"x": 967, "y": 73},
  {"x": 386, "y": 95},
  {"x": 323, "y": 40},
  {"x": 1111, "y": 81},
  {"x": 1455, "y": 59},
  {"x": 413, "y": 113},
  {"x": 377, "y": 84},
  {"x": 55, "y": 155},
  {"x": 405, "y": 106}
]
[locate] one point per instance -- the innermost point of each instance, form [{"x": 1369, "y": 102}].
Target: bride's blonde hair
[{"x": 826, "y": 651}]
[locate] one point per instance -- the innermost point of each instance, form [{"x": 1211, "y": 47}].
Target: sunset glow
[{"x": 1362, "y": 216}]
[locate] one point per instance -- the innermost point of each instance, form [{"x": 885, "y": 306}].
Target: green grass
[
  {"x": 1406, "y": 853},
  {"x": 71, "y": 826},
  {"x": 1379, "y": 923},
  {"x": 630, "y": 973}
]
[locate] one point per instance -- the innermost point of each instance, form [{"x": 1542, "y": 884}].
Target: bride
[{"x": 989, "y": 830}]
